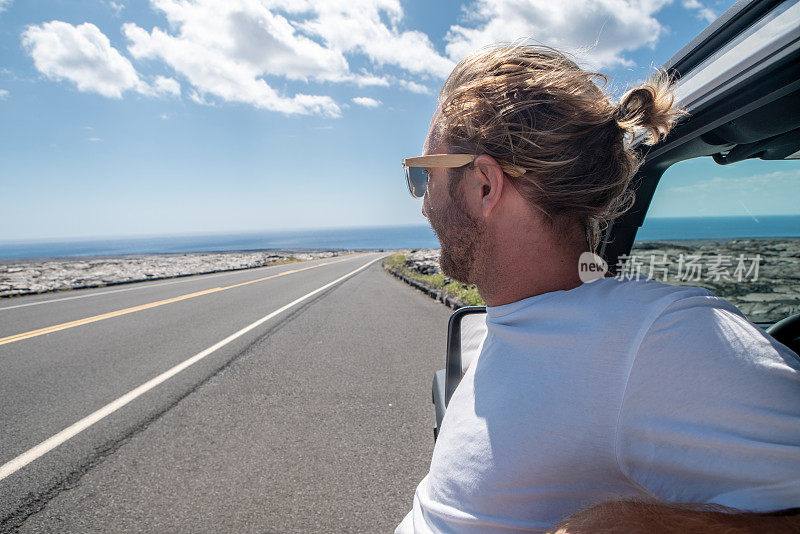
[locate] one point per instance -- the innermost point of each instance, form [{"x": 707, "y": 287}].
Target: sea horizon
[{"x": 371, "y": 238}]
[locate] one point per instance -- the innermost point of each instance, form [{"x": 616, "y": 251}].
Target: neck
[{"x": 517, "y": 269}]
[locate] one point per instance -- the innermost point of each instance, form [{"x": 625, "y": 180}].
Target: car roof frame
[{"x": 773, "y": 78}]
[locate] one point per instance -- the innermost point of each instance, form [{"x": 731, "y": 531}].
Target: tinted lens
[{"x": 417, "y": 181}]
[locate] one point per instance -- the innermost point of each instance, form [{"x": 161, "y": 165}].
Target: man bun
[{"x": 649, "y": 107}]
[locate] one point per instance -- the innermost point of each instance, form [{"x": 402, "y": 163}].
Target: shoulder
[
  {"x": 700, "y": 352},
  {"x": 684, "y": 317},
  {"x": 709, "y": 411},
  {"x": 637, "y": 304},
  {"x": 697, "y": 328},
  {"x": 638, "y": 295},
  {"x": 703, "y": 344},
  {"x": 646, "y": 288}
]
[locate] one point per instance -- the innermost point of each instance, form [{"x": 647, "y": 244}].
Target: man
[{"x": 606, "y": 403}]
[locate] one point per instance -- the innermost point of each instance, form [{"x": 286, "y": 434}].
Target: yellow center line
[{"x": 125, "y": 311}]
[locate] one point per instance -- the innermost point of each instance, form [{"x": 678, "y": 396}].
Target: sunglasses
[{"x": 416, "y": 169}]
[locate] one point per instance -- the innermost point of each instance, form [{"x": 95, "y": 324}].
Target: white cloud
[
  {"x": 233, "y": 51},
  {"x": 225, "y": 49},
  {"x": 365, "y": 79},
  {"x": 116, "y": 6},
  {"x": 163, "y": 116},
  {"x": 166, "y": 86},
  {"x": 4, "y": 94},
  {"x": 414, "y": 87},
  {"x": 367, "y": 102},
  {"x": 197, "y": 98},
  {"x": 372, "y": 28},
  {"x": 702, "y": 11},
  {"x": 600, "y": 31},
  {"x": 5, "y": 4},
  {"x": 245, "y": 51},
  {"x": 83, "y": 55},
  {"x": 94, "y": 139}
]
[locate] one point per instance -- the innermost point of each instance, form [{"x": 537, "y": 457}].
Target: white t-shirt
[{"x": 612, "y": 390}]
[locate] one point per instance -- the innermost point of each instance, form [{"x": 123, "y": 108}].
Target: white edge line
[
  {"x": 51, "y": 443},
  {"x": 187, "y": 278}
]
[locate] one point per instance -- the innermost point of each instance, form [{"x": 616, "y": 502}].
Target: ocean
[{"x": 385, "y": 237}]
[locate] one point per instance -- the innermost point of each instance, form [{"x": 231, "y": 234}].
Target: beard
[{"x": 460, "y": 236}]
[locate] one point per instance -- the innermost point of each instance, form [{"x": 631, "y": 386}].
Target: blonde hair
[{"x": 555, "y": 133}]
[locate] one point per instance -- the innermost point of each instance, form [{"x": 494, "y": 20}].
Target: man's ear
[{"x": 491, "y": 181}]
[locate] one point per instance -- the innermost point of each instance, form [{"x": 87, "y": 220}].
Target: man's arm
[{"x": 662, "y": 518}]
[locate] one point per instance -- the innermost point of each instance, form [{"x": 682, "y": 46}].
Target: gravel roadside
[{"x": 25, "y": 277}]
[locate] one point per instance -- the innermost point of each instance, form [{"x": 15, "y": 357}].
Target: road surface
[{"x": 292, "y": 398}]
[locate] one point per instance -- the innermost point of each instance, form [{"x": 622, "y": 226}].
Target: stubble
[{"x": 460, "y": 236}]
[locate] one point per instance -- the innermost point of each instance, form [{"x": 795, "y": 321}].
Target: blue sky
[{"x": 124, "y": 118}]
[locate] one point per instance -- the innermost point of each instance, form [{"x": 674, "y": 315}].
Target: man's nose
[{"x": 424, "y": 214}]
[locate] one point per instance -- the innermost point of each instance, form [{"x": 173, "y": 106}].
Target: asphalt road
[{"x": 316, "y": 419}]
